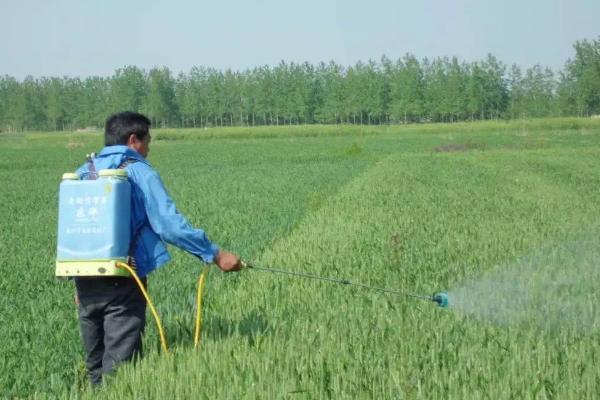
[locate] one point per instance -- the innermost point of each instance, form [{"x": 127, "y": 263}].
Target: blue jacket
[{"x": 154, "y": 218}]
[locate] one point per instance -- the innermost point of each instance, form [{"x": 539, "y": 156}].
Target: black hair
[{"x": 120, "y": 126}]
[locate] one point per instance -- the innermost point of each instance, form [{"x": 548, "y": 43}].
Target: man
[{"x": 112, "y": 310}]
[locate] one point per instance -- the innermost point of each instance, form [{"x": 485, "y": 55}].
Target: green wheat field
[{"x": 417, "y": 208}]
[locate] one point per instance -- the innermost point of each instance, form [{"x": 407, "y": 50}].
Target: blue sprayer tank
[{"x": 93, "y": 224}]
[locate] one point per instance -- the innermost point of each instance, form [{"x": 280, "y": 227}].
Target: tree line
[{"x": 375, "y": 92}]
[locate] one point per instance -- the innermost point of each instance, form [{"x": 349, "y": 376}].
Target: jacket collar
[{"x": 121, "y": 150}]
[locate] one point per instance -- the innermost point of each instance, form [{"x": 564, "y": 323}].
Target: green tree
[
  {"x": 11, "y": 100},
  {"x": 198, "y": 96},
  {"x": 496, "y": 99},
  {"x": 538, "y": 87},
  {"x": 406, "y": 90},
  {"x": 159, "y": 101},
  {"x": 517, "y": 93},
  {"x": 584, "y": 71},
  {"x": 27, "y": 105},
  {"x": 567, "y": 99},
  {"x": 266, "y": 95},
  {"x": 435, "y": 88},
  {"x": 95, "y": 99},
  {"x": 333, "y": 109},
  {"x": 487, "y": 89},
  {"x": 215, "y": 90},
  {"x": 127, "y": 90},
  {"x": 454, "y": 99},
  {"x": 55, "y": 103}
]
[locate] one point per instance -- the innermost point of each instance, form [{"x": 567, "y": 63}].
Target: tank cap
[
  {"x": 117, "y": 173},
  {"x": 70, "y": 176}
]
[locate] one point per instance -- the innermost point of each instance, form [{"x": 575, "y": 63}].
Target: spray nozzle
[{"x": 441, "y": 299}]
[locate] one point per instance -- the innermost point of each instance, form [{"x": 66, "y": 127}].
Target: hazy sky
[{"x": 93, "y": 37}]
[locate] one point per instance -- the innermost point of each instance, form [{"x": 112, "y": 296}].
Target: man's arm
[{"x": 173, "y": 227}]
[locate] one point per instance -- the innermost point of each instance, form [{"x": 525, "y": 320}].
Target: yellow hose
[
  {"x": 201, "y": 282},
  {"x": 163, "y": 340}
]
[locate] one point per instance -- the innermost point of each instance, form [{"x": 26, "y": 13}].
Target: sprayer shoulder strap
[
  {"x": 136, "y": 234},
  {"x": 126, "y": 162}
]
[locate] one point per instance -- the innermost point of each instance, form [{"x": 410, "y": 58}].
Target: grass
[{"x": 416, "y": 208}]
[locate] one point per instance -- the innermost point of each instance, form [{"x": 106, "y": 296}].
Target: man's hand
[{"x": 228, "y": 262}]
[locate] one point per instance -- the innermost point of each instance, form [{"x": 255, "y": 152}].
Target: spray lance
[{"x": 440, "y": 298}]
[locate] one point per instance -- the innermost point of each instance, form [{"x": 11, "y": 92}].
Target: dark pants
[{"x": 112, "y": 316}]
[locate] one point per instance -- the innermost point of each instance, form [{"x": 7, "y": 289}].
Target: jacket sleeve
[{"x": 169, "y": 224}]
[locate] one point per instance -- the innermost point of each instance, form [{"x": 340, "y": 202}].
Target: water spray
[{"x": 441, "y": 298}]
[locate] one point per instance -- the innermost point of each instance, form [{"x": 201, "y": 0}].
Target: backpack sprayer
[{"x": 94, "y": 240}]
